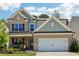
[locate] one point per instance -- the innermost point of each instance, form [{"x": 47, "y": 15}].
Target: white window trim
[
  {"x": 30, "y": 24},
  {"x": 52, "y": 24},
  {"x": 17, "y": 27}
]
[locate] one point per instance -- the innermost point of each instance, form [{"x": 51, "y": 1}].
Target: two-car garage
[
  {"x": 52, "y": 41},
  {"x": 53, "y": 44},
  {"x": 52, "y": 35}
]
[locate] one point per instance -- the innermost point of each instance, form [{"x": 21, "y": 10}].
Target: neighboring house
[
  {"x": 74, "y": 25},
  {"x": 38, "y": 34}
]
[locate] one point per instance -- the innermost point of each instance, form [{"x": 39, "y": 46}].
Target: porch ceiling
[{"x": 20, "y": 35}]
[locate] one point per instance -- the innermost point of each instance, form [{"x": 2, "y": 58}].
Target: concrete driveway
[{"x": 56, "y": 54}]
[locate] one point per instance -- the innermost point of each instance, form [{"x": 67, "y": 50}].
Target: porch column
[
  {"x": 10, "y": 41},
  {"x": 25, "y": 41}
]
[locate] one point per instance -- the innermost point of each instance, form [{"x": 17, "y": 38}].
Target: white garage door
[{"x": 53, "y": 44}]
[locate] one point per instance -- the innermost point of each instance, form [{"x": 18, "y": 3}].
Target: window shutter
[
  {"x": 23, "y": 27},
  {"x": 12, "y": 27}
]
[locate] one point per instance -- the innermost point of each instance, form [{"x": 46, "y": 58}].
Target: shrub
[
  {"x": 9, "y": 51},
  {"x": 74, "y": 47}
]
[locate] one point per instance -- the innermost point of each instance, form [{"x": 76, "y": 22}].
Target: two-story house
[{"x": 48, "y": 34}]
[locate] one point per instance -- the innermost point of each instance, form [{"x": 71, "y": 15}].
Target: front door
[{"x": 29, "y": 44}]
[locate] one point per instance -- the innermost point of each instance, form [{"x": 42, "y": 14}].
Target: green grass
[
  {"x": 17, "y": 52},
  {"x": 20, "y": 54}
]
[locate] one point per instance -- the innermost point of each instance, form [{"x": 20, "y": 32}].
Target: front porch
[{"x": 22, "y": 41}]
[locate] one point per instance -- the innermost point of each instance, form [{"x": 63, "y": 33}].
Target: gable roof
[
  {"x": 19, "y": 11},
  {"x": 26, "y": 12},
  {"x": 22, "y": 15},
  {"x": 74, "y": 19},
  {"x": 58, "y": 21}
]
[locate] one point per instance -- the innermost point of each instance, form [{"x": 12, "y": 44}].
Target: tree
[
  {"x": 35, "y": 16},
  {"x": 74, "y": 47},
  {"x": 4, "y": 38},
  {"x": 43, "y": 16}
]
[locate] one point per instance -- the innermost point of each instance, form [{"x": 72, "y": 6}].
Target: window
[
  {"x": 16, "y": 41},
  {"x": 32, "y": 26},
  {"x": 17, "y": 27},
  {"x": 21, "y": 27},
  {"x": 52, "y": 24}
]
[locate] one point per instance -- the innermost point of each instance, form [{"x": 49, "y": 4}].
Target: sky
[{"x": 66, "y": 10}]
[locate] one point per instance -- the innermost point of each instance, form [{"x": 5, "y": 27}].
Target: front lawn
[
  {"x": 27, "y": 54},
  {"x": 20, "y": 53}
]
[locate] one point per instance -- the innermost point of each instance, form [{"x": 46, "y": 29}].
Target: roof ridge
[
  {"x": 28, "y": 13},
  {"x": 22, "y": 15},
  {"x": 12, "y": 15}
]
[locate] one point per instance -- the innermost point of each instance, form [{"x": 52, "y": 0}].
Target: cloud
[
  {"x": 50, "y": 10},
  {"x": 41, "y": 9},
  {"x": 9, "y": 6},
  {"x": 34, "y": 13},
  {"x": 36, "y": 10},
  {"x": 37, "y": 13},
  {"x": 30, "y": 8},
  {"x": 66, "y": 10}
]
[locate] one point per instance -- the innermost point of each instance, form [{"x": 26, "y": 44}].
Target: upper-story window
[
  {"x": 17, "y": 27},
  {"x": 32, "y": 26}
]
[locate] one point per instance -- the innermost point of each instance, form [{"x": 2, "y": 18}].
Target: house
[
  {"x": 74, "y": 25},
  {"x": 38, "y": 34}
]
